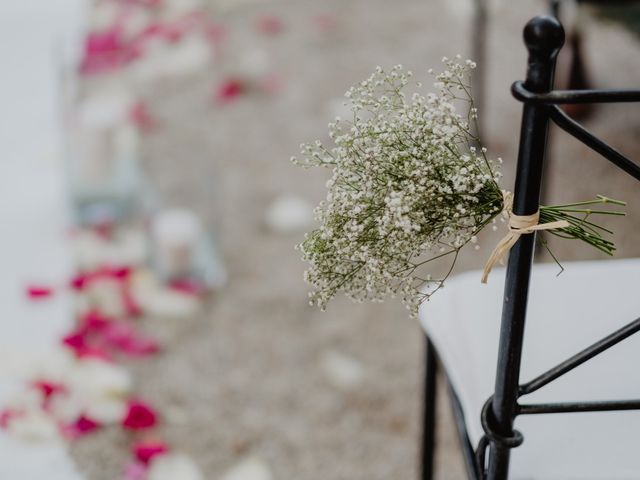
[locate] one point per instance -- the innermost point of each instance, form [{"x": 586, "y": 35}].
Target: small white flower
[{"x": 403, "y": 187}]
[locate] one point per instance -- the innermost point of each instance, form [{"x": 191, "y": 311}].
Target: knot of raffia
[{"x": 518, "y": 225}]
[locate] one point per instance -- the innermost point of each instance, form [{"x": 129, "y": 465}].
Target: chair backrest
[{"x": 543, "y": 36}]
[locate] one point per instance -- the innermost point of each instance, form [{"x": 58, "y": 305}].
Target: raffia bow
[{"x": 518, "y": 225}]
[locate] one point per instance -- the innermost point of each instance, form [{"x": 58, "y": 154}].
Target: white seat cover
[{"x": 565, "y": 314}]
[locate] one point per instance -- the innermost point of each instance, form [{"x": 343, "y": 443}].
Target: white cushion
[{"x": 566, "y": 313}]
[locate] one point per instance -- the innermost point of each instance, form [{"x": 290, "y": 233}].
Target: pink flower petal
[
  {"x": 144, "y": 451},
  {"x": 80, "y": 281},
  {"x": 118, "y": 273},
  {"x": 131, "y": 306},
  {"x": 48, "y": 389},
  {"x": 7, "y": 415},
  {"x": 100, "y": 43},
  {"x": 38, "y": 292},
  {"x": 126, "y": 339},
  {"x": 94, "y": 321},
  {"x": 93, "y": 352},
  {"x": 189, "y": 287},
  {"x": 139, "y": 416},
  {"x": 75, "y": 340},
  {"x": 141, "y": 118},
  {"x": 81, "y": 427},
  {"x": 230, "y": 90},
  {"x": 135, "y": 471}
]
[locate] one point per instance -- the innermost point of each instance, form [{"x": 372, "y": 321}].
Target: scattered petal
[
  {"x": 139, "y": 416},
  {"x": 146, "y": 450},
  {"x": 76, "y": 341},
  {"x": 135, "y": 471},
  {"x": 6, "y": 415},
  {"x": 81, "y": 427},
  {"x": 37, "y": 292},
  {"x": 188, "y": 286},
  {"x": 229, "y": 90}
]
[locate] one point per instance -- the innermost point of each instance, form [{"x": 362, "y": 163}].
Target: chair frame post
[
  {"x": 429, "y": 414},
  {"x": 543, "y": 37}
]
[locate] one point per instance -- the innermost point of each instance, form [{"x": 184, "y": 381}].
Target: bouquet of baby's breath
[{"x": 410, "y": 186}]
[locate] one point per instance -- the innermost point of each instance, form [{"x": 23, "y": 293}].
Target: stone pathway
[{"x": 261, "y": 377}]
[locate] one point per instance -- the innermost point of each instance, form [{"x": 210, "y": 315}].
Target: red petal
[
  {"x": 131, "y": 306},
  {"x": 229, "y": 90},
  {"x": 94, "y": 321},
  {"x": 126, "y": 339},
  {"x": 6, "y": 416},
  {"x": 82, "y": 426},
  {"x": 48, "y": 389},
  {"x": 146, "y": 450},
  {"x": 36, "y": 292},
  {"x": 139, "y": 416},
  {"x": 119, "y": 273},
  {"x": 189, "y": 287},
  {"x": 97, "y": 353},
  {"x": 79, "y": 282},
  {"x": 75, "y": 340},
  {"x": 135, "y": 471}
]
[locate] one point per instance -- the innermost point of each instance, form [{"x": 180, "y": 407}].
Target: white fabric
[
  {"x": 565, "y": 314},
  {"x": 37, "y": 39}
]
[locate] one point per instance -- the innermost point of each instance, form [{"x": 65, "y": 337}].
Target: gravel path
[{"x": 247, "y": 378}]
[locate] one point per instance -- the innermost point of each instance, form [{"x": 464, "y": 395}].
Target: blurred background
[{"x": 150, "y": 211}]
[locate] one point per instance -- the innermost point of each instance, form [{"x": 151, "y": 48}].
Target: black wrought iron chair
[{"x": 464, "y": 334}]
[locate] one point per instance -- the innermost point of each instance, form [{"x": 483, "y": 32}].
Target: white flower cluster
[{"x": 409, "y": 185}]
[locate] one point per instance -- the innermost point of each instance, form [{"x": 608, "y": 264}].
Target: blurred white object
[
  {"x": 566, "y": 314},
  {"x": 252, "y": 468},
  {"x": 182, "y": 250},
  {"x": 126, "y": 247},
  {"x": 186, "y": 57},
  {"x": 159, "y": 301},
  {"x": 174, "y": 466},
  {"x": 176, "y": 234},
  {"x": 289, "y": 213},
  {"x": 105, "y": 108},
  {"x": 342, "y": 370},
  {"x": 34, "y": 425},
  {"x": 103, "y": 170},
  {"x": 162, "y": 60}
]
